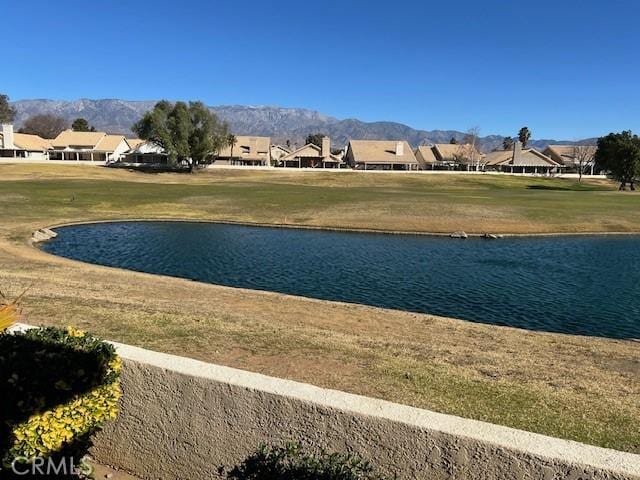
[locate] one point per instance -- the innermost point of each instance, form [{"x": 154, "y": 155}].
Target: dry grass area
[{"x": 586, "y": 389}]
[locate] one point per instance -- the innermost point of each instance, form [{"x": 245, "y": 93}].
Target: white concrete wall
[
  {"x": 183, "y": 419},
  {"x": 122, "y": 147},
  {"x": 37, "y": 156}
]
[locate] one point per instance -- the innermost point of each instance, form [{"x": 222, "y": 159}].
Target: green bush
[
  {"x": 58, "y": 386},
  {"x": 291, "y": 462}
]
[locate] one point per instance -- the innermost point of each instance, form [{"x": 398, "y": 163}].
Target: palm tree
[
  {"x": 524, "y": 135},
  {"x": 231, "y": 142}
]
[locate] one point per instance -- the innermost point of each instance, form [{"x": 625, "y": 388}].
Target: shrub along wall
[{"x": 58, "y": 386}]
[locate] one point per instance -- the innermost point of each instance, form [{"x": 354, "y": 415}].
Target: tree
[
  {"x": 315, "y": 138},
  {"x": 7, "y": 112},
  {"x": 46, "y": 125},
  {"x": 231, "y": 142},
  {"x": 507, "y": 143},
  {"x": 469, "y": 149},
  {"x": 186, "y": 132},
  {"x": 179, "y": 124},
  {"x": 524, "y": 135},
  {"x": 453, "y": 141},
  {"x": 583, "y": 156},
  {"x": 81, "y": 125},
  {"x": 154, "y": 128},
  {"x": 619, "y": 154}
]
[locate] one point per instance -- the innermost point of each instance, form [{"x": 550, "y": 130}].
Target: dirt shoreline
[{"x": 338, "y": 229}]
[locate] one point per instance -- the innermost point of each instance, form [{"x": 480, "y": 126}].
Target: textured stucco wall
[{"x": 183, "y": 419}]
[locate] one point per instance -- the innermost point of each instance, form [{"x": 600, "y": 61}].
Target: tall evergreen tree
[
  {"x": 507, "y": 143},
  {"x": 82, "y": 125},
  {"x": 315, "y": 138},
  {"x": 7, "y": 112}
]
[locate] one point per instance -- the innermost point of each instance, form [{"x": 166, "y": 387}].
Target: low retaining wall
[{"x": 184, "y": 419}]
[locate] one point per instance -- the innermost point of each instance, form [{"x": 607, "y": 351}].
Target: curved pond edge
[
  {"x": 34, "y": 244},
  {"x": 332, "y": 228}
]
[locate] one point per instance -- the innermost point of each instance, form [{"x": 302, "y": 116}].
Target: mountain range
[{"x": 282, "y": 124}]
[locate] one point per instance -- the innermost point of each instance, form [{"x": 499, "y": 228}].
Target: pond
[{"x": 587, "y": 285}]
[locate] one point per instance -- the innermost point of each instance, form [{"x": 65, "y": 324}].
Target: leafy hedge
[
  {"x": 292, "y": 462},
  {"x": 57, "y": 387}
]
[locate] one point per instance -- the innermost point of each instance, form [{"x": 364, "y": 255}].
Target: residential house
[
  {"x": 573, "y": 156},
  {"x": 277, "y": 152},
  {"x": 88, "y": 146},
  {"x": 451, "y": 156},
  {"x": 145, "y": 153},
  {"x": 135, "y": 142},
  {"x": 380, "y": 155},
  {"x": 22, "y": 145},
  {"x": 312, "y": 156},
  {"x": 426, "y": 158},
  {"x": 519, "y": 160},
  {"x": 247, "y": 150}
]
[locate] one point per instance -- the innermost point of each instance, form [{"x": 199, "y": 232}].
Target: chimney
[
  {"x": 399, "y": 149},
  {"x": 517, "y": 150},
  {"x": 7, "y": 136},
  {"x": 326, "y": 147}
]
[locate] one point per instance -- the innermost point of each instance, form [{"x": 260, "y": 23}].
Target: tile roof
[
  {"x": 424, "y": 154},
  {"x": 134, "y": 142},
  {"x": 380, "y": 151},
  {"x": 310, "y": 150},
  {"x": 567, "y": 153},
  {"x": 27, "y": 141},
  {"x": 454, "y": 151},
  {"x": 70, "y": 138},
  {"x": 529, "y": 157},
  {"x": 109, "y": 143}
]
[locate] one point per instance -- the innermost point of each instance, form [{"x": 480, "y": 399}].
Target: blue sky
[{"x": 568, "y": 69}]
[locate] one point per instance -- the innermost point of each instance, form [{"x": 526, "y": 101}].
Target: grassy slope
[
  {"x": 438, "y": 203},
  {"x": 574, "y": 387}
]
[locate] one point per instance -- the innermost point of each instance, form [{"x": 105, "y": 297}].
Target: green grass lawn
[
  {"x": 585, "y": 389},
  {"x": 425, "y": 203}
]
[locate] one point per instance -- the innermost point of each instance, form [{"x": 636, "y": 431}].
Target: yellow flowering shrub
[{"x": 61, "y": 385}]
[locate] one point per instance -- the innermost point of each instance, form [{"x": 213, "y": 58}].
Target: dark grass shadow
[
  {"x": 151, "y": 168},
  {"x": 551, "y": 187}
]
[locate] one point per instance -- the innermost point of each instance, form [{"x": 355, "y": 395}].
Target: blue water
[{"x": 579, "y": 285}]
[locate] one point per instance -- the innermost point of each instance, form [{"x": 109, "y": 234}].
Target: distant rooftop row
[{"x": 259, "y": 151}]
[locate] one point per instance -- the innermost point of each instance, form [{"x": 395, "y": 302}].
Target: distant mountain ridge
[{"x": 282, "y": 124}]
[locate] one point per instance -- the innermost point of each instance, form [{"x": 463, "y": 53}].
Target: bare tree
[
  {"x": 584, "y": 156},
  {"x": 468, "y": 149},
  {"x": 45, "y": 125}
]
